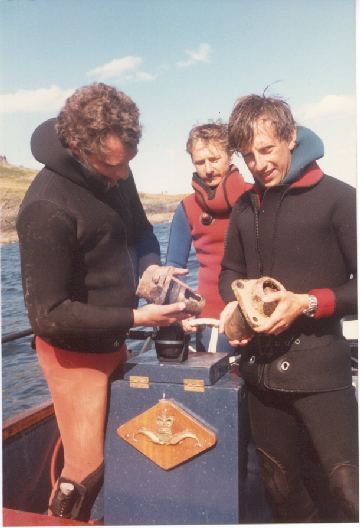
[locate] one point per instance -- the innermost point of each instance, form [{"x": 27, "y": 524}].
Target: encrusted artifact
[
  {"x": 251, "y": 310},
  {"x": 158, "y": 285}
]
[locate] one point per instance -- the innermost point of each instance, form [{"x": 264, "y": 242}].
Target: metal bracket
[
  {"x": 139, "y": 382},
  {"x": 194, "y": 385}
]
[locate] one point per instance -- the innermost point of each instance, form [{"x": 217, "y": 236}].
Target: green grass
[{"x": 14, "y": 180}]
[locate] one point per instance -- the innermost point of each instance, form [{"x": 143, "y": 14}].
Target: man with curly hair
[{"x": 84, "y": 241}]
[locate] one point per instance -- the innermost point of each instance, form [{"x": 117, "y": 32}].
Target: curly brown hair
[
  {"x": 215, "y": 131},
  {"x": 94, "y": 111},
  {"x": 248, "y": 110}
]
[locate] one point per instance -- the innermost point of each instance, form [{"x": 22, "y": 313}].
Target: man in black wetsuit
[
  {"x": 84, "y": 241},
  {"x": 301, "y": 231}
]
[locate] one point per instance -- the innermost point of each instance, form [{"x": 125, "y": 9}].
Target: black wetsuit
[
  {"x": 82, "y": 246},
  {"x": 303, "y": 234}
]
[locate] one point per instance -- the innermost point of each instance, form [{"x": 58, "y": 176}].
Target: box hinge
[
  {"x": 139, "y": 382},
  {"x": 194, "y": 385}
]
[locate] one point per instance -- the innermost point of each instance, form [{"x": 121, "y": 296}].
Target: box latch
[
  {"x": 139, "y": 382},
  {"x": 194, "y": 385}
]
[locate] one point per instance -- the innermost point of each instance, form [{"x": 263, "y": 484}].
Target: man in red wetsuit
[{"x": 202, "y": 218}]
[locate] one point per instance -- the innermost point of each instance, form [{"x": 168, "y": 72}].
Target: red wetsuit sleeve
[{"x": 326, "y": 302}]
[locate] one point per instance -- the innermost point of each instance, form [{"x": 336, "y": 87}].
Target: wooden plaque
[{"x": 167, "y": 435}]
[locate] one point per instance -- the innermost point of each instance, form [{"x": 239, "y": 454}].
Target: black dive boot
[{"x": 74, "y": 500}]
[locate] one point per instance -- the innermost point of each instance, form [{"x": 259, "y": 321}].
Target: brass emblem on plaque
[
  {"x": 167, "y": 434},
  {"x": 164, "y": 434}
]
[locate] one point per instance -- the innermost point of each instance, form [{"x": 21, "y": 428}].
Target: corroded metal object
[
  {"x": 160, "y": 286},
  {"x": 251, "y": 310}
]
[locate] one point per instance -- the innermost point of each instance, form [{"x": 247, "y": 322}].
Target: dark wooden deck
[{"x": 22, "y": 518}]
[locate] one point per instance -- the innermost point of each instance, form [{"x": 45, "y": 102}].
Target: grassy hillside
[
  {"x": 14, "y": 182},
  {"x": 15, "y": 179}
]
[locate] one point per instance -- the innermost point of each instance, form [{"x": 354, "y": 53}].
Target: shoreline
[
  {"x": 10, "y": 236},
  {"x": 14, "y": 182}
]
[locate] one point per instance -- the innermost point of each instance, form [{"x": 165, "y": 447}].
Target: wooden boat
[{"x": 33, "y": 458}]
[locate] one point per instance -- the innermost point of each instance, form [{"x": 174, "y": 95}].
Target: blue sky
[{"x": 183, "y": 62}]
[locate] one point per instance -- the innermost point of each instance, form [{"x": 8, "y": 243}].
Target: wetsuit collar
[{"x": 220, "y": 199}]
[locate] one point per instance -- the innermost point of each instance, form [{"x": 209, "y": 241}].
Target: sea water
[{"x": 22, "y": 380}]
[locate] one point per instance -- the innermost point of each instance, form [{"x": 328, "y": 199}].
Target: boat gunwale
[{"x": 24, "y": 420}]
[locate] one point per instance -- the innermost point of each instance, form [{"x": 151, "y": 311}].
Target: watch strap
[{"x": 312, "y": 307}]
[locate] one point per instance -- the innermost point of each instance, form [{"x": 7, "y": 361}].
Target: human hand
[
  {"x": 160, "y": 315},
  {"x": 289, "y": 306},
  {"x": 188, "y": 326},
  {"x": 161, "y": 273},
  {"x": 224, "y": 316}
]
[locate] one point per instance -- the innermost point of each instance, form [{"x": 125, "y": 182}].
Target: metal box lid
[{"x": 207, "y": 367}]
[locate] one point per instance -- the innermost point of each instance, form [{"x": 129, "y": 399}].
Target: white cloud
[
  {"x": 144, "y": 76},
  {"x": 201, "y": 54},
  {"x": 116, "y": 67},
  {"x": 330, "y": 105},
  {"x": 39, "y": 100},
  {"x": 124, "y": 69}
]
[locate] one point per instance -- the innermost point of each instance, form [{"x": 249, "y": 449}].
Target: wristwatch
[{"x": 311, "y": 309}]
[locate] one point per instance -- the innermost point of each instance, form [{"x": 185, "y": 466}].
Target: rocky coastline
[
  {"x": 10, "y": 208},
  {"x": 14, "y": 182}
]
